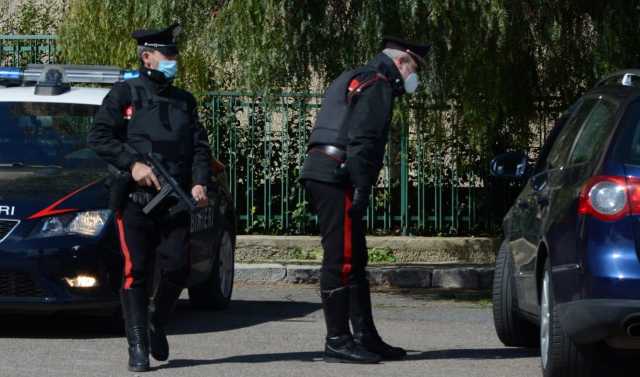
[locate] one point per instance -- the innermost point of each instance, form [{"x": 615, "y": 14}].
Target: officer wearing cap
[
  {"x": 151, "y": 115},
  {"x": 344, "y": 157}
]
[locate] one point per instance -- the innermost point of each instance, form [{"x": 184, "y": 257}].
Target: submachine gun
[{"x": 170, "y": 190}]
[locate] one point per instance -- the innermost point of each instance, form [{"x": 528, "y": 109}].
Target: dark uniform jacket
[
  {"x": 355, "y": 117},
  {"x": 151, "y": 115}
]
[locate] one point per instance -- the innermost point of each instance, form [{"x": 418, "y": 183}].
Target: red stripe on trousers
[
  {"x": 128, "y": 278},
  {"x": 347, "y": 248}
]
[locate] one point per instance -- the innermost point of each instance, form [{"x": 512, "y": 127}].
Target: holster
[
  {"x": 341, "y": 173},
  {"x": 119, "y": 184}
]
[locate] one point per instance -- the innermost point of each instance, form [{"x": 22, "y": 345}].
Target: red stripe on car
[{"x": 52, "y": 210}]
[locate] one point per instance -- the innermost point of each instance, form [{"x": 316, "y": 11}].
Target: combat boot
[
  {"x": 134, "y": 309},
  {"x": 365, "y": 333},
  {"x": 161, "y": 306},
  {"x": 340, "y": 347}
]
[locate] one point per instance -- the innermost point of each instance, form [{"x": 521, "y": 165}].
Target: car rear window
[
  {"x": 595, "y": 131},
  {"x": 562, "y": 145},
  {"x": 46, "y": 134}
]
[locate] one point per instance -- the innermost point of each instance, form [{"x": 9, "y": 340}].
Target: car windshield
[{"x": 46, "y": 135}]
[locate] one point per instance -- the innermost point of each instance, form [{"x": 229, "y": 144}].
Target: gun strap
[{"x": 142, "y": 96}]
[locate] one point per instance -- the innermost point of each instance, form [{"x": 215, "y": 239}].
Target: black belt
[{"x": 331, "y": 151}]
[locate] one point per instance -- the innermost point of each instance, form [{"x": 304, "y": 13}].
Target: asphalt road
[{"x": 272, "y": 331}]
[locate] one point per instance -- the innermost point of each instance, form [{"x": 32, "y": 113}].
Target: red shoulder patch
[
  {"x": 353, "y": 85},
  {"x": 356, "y": 86},
  {"x": 127, "y": 112}
]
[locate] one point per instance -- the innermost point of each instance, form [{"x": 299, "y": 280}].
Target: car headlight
[{"x": 88, "y": 223}]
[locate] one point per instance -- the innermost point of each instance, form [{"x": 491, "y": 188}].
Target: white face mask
[{"x": 411, "y": 83}]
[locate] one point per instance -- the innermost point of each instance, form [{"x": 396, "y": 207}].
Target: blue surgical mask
[
  {"x": 169, "y": 68},
  {"x": 411, "y": 83}
]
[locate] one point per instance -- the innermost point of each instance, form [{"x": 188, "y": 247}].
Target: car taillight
[
  {"x": 610, "y": 198},
  {"x": 633, "y": 195}
]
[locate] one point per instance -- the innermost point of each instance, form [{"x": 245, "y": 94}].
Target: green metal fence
[
  {"x": 18, "y": 50},
  {"x": 262, "y": 139}
]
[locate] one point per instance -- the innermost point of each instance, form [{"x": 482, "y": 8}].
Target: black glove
[{"x": 360, "y": 200}]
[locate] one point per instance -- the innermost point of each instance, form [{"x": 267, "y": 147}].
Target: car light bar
[
  {"x": 10, "y": 73},
  {"x": 70, "y": 73},
  {"x": 629, "y": 77}
]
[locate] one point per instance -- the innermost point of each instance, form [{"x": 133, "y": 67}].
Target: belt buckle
[{"x": 333, "y": 150}]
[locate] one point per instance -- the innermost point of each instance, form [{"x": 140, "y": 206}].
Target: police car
[{"x": 59, "y": 248}]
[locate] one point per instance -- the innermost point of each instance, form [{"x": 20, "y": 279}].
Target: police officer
[
  {"x": 344, "y": 158},
  {"x": 151, "y": 115}
]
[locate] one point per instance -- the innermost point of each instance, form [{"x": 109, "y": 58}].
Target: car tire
[
  {"x": 511, "y": 328},
  {"x": 560, "y": 356},
  {"x": 215, "y": 292}
]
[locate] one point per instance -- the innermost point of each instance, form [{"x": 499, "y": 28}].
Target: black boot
[
  {"x": 134, "y": 309},
  {"x": 340, "y": 347},
  {"x": 364, "y": 330},
  {"x": 161, "y": 306}
]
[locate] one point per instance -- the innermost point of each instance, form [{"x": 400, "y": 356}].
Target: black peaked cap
[
  {"x": 163, "y": 40},
  {"x": 417, "y": 51}
]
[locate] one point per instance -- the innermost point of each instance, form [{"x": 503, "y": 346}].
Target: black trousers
[
  {"x": 150, "y": 245},
  {"x": 343, "y": 237}
]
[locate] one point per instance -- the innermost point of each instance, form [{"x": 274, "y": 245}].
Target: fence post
[{"x": 404, "y": 177}]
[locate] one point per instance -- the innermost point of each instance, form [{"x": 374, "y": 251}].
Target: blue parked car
[{"x": 568, "y": 272}]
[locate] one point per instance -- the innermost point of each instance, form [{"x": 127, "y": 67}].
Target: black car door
[{"x": 536, "y": 203}]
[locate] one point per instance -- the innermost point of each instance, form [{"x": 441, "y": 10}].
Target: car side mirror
[{"x": 510, "y": 165}]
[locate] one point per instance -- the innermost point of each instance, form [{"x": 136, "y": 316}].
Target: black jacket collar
[
  {"x": 155, "y": 80},
  {"x": 383, "y": 64}
]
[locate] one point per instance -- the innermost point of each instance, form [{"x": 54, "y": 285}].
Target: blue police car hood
[{"x": 27, "y": 192}]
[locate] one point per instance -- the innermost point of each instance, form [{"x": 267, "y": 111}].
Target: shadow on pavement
[
  {"x": 497, "y": 353},
  {"x": 612, "y": 366},
  {"x": 60, "y": 326},
  {"x": 248, "y": 359},
  {"x": 240, "y": 314},
  {"x": 475, "y": 354},
  {"x": 430, "y": 294}
]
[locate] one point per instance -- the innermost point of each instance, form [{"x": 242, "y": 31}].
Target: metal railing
[
  {"x": 18, "y": 50},
  {"x": 262, "y": 140}
]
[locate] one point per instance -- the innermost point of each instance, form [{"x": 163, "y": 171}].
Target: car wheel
[
  {"x": 215, "y": 292},
  {"x": 560, "y": 356},
  {"x": 512, "y": 329}
]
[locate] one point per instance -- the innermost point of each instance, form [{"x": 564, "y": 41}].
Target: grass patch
[
  {"x": 376, "y": 255},
  {"x": 307, "y": 254},
  {"x": 381, "y": 255}
]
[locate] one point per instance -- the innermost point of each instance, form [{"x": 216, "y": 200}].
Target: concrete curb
[
  {"x": 405, "y": 250},
  {"x": 400, "y": 276}
]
